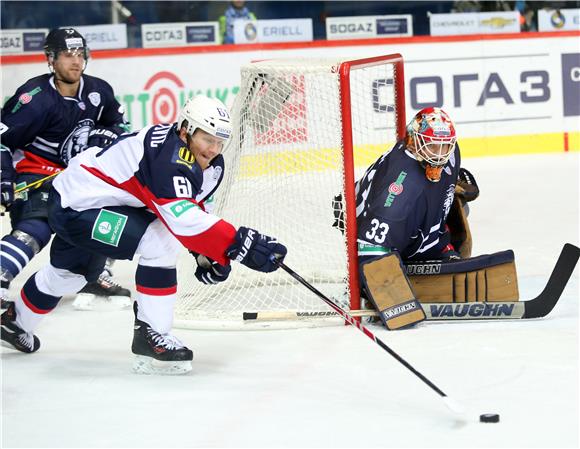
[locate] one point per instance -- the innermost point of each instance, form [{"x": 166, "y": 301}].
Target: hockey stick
[
  {"x": 452, "y": 405},
  {"x": 538, "y": 307},
  {"x": 36, "y": 184}
]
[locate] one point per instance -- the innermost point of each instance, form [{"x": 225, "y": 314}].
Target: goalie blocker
[{"x": 395, "y": 290}]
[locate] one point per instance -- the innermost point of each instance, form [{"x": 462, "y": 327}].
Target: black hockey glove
[
  {"x": 467, "y": 189},
  {"x": 338, "y": 210},
  {"x": 256, "y": 251},
  {"x": 210, "y": 272},
  {"x": 101, "y": 137},
  {"x": 7, "y": 178},
  {"x": 6, "y": 193}
]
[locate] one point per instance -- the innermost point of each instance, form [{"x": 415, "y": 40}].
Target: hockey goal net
[{"x": 304, "y": 130}]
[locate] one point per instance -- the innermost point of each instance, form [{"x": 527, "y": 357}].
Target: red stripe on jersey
[
  {"x": 31, "y": 163},
  {"x": 156, "y": 291},
  {"x": 212, "y": 243},
  {"x": 31, "y": 306}
]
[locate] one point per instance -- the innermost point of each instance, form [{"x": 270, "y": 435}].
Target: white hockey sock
[{"x": 157, "y": 311}]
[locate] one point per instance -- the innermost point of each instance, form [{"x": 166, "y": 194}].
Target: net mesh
[{"x": 284, "y": 166}]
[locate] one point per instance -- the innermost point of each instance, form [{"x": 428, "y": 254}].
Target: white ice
[{"x": 329, "y": 387}]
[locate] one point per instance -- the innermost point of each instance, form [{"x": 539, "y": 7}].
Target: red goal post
[
  {"x": 399, "y": 84},
  {"x": 304, "y": 131}
]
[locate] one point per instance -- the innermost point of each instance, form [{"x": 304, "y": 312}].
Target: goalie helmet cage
[{"x": 304, "y": 130}]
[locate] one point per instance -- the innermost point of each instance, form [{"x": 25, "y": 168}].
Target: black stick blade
[{"x": 543, "y": 304}]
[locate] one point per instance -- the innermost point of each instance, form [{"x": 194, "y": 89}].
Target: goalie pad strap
[
  {"x": 429, "y": 268},
  {"x": 388, "y": 289},
  {"x": 469, "y": 280}
]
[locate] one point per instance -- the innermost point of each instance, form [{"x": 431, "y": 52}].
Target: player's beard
[{"x": 69, "y": 77}]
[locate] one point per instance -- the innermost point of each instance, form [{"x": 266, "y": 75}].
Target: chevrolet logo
[{"x": 497, "y": 22}]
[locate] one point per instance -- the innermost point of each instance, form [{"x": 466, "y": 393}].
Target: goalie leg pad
[
  {"x": 488, "y": 278},
  {"x": 388, "y": 289}
]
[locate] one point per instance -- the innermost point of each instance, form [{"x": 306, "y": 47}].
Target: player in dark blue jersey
[
  {"x": 403, "y": 205},
  {"x": 50, "y": 119},
  {"x": 404, "y": 198}
]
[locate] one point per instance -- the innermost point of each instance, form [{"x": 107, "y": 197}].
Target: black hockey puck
[{"x": 489, "y": 417}]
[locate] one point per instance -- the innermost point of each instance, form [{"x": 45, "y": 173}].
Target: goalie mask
[
  {"x": 208, "y": 114},
  {"x": 65, "y": 40},
  {"x": 431, "y": 134}
]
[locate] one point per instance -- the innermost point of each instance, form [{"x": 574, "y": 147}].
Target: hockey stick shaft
[
  {"x": 351, "y": 320},
  {"x": 36, "y": 184},
  {"x": 433, "y": 312},
  {"x": 32, "y": 186}
]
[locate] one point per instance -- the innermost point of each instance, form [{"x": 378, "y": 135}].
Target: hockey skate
[
  {"x": 103, "y": 294},
  {"x": 13, "y": 336},
  {"x": 157, "y": 353}
]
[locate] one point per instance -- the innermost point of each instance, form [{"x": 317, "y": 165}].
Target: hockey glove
[
  {"x": 256, "y": 251},
  {"x": 101, "y": 137},
  {"x": 7, "y": 193},
  {"x": 7, "y": 178},
  {"x": 210, "y": 272},
  {"x": 467, "y": 189}
]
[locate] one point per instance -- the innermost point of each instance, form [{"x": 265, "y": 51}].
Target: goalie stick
[
  {"x": 450, "y": 403},
  {"x": 538, "y": 307}
]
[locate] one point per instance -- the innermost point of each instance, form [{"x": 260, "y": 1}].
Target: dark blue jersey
[
  {"x": 43, "y": 127},
  {"x": 398, "y": 208}
]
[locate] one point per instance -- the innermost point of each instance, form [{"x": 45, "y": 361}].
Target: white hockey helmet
[{"x": 208, "y": 114}]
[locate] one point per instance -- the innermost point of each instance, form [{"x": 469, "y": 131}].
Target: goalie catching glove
[
  {"x": 210, "y": 272},
  {"x": 256, "y": 251}
]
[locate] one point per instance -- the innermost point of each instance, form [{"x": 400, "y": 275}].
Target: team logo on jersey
[
  {"x": 25, "y": 98},
  {"x": 396, "y": 188},
  {"x": 185, "y": 157},
  {"x": 448, "y": 200},
  {"x": 76, "y": 141},
  {"x": 217, "y": 172},
  {"x": 82, "y": 105},
  {"x": 95, "y": 98}
]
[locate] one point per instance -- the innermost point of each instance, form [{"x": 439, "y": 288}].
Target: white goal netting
[{"x": 284, "y": 166}]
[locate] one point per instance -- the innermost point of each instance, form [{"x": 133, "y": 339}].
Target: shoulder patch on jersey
[
  {"x": 25, "y": 98},
  {"x": 185, "y": 157},
  {"x": 396, "y": 188},
  {"x": 95, "y": 98}
]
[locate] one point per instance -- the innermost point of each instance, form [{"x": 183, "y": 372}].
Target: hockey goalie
[{"x": 414, "y": 242}]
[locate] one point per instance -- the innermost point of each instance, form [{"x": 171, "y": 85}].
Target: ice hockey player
[
  {"x": 410, "y": 208},
  {"x": 142, "y": 195},
  {"x": 50, "y": 119}
]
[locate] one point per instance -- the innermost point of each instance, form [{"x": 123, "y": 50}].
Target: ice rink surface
[{"x": 329, "y": 387}]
